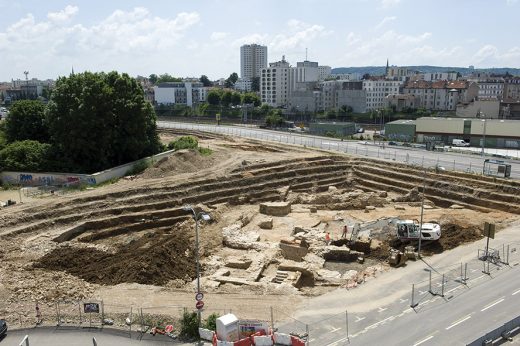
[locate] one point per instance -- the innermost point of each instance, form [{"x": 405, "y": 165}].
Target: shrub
[
  {"x": 25, "y": 156},
  {"x": 189, "y": 326},
  {"x": 205, "y": 151},
  {"x": 184, "y": 142},
  {"x": 211, "y": 322},
  {"x": 138, "y": 167}
]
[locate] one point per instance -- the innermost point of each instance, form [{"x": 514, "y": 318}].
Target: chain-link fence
[{"x": 408, "y": 155}]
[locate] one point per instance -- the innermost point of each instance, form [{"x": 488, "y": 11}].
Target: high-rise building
[
  {"x": 253, "y": 58},
  {"x": 275, "y": 83}
]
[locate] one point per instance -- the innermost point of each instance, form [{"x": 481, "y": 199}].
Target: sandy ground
[{"x": 20, "y": 283}]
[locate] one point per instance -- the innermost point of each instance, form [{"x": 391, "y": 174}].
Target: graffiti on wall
[{"x": 43, "y": 179}]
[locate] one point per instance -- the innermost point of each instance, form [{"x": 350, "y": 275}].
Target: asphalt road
[
  {"x": 412, "y": 156},
  {"x": 459, "y": 322}
]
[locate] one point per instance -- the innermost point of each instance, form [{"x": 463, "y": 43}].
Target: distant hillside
[{"x": 380, "y": 70}]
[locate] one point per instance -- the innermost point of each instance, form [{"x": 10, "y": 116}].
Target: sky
[{"x": 188, "y": 38}]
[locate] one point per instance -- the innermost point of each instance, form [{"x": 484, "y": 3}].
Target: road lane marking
[
  {"x": 493, "y": 304},
  {"x": 516, "y": 292},
  {"x": 359, "y": 319},
  {"x": 423, "y": 340},
  {"x": 401, "y": 300},
  {"x": 458, "y": 322},
  {"x": 334, "y": 330},
  {"x": 382, "y": 309},
  {"x": 453, "y": 289}
]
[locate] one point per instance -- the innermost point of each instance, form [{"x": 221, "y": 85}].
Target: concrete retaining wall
[{"x": 68, "y": 179}]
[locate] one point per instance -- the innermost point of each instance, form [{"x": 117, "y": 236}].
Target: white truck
[{"x": 460, "y": 143}]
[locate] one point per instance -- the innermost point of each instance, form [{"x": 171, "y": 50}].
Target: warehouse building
[
  {"x": 400, "y": 130},
  {"x": 498, "y": 133},
  {"x": 442, "y": 131}
]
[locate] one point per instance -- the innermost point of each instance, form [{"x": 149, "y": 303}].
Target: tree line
[{"x": 92, "y": 121}]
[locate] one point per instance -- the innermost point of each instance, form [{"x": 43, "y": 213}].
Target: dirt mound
[
  {"x": 454, "y": 233},
  {"x": 153, "y": 259},
  {"x": 182, "y": 161}
]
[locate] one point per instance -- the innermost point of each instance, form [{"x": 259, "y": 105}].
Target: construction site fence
[
  {"x": 449, "y": 281},
  {"x": 373, "y": 149}
]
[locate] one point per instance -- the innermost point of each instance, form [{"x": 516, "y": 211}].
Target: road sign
[
  {"x": 489, "y": 230},
  {"x": 199, "y": 305},
  {"x": 199, "y": 296}
]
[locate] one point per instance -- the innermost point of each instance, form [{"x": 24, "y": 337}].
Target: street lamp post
[
  {"x": 197, "y": 216},
  {"x": 422, "y": 212},
  {"x": 484, "y": 134}
]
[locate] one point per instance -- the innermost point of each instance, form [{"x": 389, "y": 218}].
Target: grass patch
[
  {"x": 205, "y": 151},
  {"x": 138, "y": 167}
]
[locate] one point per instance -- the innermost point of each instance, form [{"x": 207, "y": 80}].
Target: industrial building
[
  {"x": 333, "y": 129},
  {"x": 497, "y": 133}
]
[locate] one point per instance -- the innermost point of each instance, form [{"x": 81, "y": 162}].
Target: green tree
[
  {"x": 26, "y": 155},
  {"x": 99, "y": 120},
  {"x": 214, "y": 97},
  {"x": 153, "y": 78},
  {"x": 205, "y": 81},
  {"x": 226, "y": 98},
  {"x": 331, "y": 114},
  {"x": 274, "y": 118},
  {"x": 255, "y": 84},
  {"x": 231, "y": 80},
  {"x": 164, "y": 78},
  {"x": 236, "y": 98},
  {"x": 251, "y": 98},
  {"x": 26, "y": 120}
]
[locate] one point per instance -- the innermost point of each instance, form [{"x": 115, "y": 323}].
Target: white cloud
[
  {"x": 63, "y": 15},
  {"x": 490, "y": 56},
  {"x": 389, "y": 3},
  {"x": 250, "y": 38},
  {"x": 217, "y": 36},
  {"x": 300, "y": 34},
  {"x": 385, "y": 21},
  {"x": 112, "y": 43}
]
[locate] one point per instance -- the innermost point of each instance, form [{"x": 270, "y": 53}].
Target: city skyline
[{"x": 204, "y": 37}]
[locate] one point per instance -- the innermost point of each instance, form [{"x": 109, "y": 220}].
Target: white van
[{"x": 460, "y": 143}]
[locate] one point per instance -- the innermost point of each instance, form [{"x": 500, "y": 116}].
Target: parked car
[{"x": 3, "y": 328}]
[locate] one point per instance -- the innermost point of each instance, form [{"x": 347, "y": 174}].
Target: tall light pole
[
  {"x": 484, "y": 134},
  {"x": 422, "y": 212},
  {"x": 197, "y": 216}
]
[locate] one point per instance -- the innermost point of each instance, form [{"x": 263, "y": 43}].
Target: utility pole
[
  {"x": 483, "y": 134},
  {"x": 422, "y": 213}
]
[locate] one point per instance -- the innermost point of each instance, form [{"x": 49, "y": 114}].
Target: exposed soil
[
  {"x": 132, "y": 233},
  {"x": 153, "y": 259}
]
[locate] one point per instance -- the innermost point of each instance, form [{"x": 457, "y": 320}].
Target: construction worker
[{"x": 345, "y": 230}]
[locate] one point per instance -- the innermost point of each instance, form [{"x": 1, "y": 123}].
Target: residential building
[
  {"x": 401, "y": 102},
  {"x": 338, "y": 93},
  {"x": 346, "y": 76},
  {"x": 306, "y": 71},
  {"x": 185, "y": 93},
  {"x": 397, "y": 73},
  {"x": 434, "y": 76},
  {"x": 512, "y": 89},
  {"x": 243, "y": 84},
  {"x": 491, "y": 88},
  {"x": 488, "y": 108},
  {"x": 276, "y": 83},
  {"x": 377, "y": 89},
  {"x": 253, "y": 58},
  {"x": 442, "y": 95},
  {"x": 324, "y": 72}
]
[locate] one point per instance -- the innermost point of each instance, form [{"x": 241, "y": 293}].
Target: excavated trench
[{"x": 164, "y": 253}]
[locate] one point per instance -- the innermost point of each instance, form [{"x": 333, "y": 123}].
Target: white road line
[
  {"x": 382, "y": 309},
  {"x": 458, "y": 322},
  {"x": 493, "y": 304},
  {"x": 453, "y": 289},
  {"x": 423, "y": 340},
  {"x": 334, "y": 330},
  {"x": 401, "y": 300},
  {"x": 516, "y": 292},
  {"x": 359, "y": 319}
]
